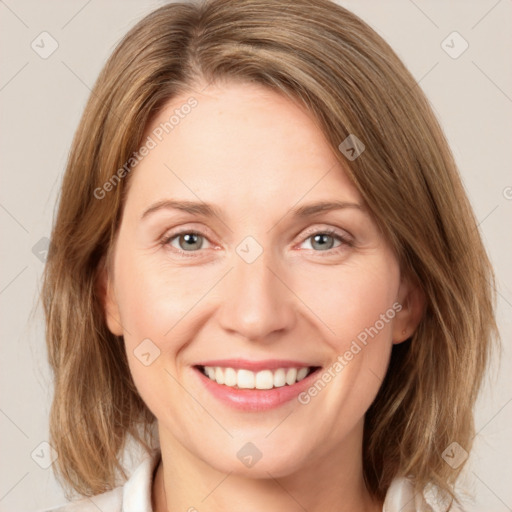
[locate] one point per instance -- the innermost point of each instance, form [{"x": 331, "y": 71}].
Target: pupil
[
  {"x": 190, "y": 239},
  {"x": 321, "y": 239}
]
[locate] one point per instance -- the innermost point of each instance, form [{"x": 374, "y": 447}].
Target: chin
[{"x": 256, "y": 459}]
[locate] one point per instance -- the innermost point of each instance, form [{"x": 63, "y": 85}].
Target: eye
[
  {"x": 324, "y": 241},
  {"x": 185, "y": 241}
]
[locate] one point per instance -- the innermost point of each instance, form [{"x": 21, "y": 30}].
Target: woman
[{"x": 264, "y": 269}]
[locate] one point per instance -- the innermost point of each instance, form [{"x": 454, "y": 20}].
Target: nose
[{"x": 257, "y": 304}]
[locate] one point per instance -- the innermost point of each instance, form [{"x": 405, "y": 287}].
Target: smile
[
  {"x": 255, "y": 385},
  {"x": 264, "y": 379}
]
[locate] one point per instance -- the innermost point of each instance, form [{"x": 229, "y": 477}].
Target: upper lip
[{"x": 245, "y": 364}]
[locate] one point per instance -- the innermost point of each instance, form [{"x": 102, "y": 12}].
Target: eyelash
[{"x": 344, "y": 242}]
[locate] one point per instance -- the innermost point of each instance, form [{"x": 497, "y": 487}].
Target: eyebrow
[{"x": 208, "y": 210}]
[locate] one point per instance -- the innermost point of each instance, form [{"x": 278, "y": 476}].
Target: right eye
[{"x": 185, "y": 241}]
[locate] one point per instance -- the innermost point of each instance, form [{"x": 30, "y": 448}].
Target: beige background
[{"x": 41, "y": 101}]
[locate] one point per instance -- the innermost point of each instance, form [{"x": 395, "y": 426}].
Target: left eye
[{"x": 324, "y": 241}]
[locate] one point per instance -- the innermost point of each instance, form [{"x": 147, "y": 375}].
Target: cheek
[
  {"x": 150, "y": 306},
  {"x": 153, "y": 306},
  {"x": 357, "y": 315},
  {"x": 358, "y": 309},
  {"x": 159, "y": 308},
  {"x": 155, "y": 297},
  {"x": 354, "y": 301}
]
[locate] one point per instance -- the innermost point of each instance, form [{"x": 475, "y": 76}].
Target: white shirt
[{"x": 135, "y": 495}]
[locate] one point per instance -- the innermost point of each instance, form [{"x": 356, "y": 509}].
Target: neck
[{"x": 332, "y": 482}]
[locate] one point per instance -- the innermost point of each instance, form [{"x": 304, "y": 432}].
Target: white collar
[
  {"x": 400, "y": 496},
  {"x": 137, "y": 489}
]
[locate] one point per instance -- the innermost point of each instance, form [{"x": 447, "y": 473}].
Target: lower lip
[{"x": 255, "y": 399}]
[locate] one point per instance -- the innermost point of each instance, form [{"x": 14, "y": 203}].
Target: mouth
[
  {"x": 242, "y": 378},
  {"x": 255, "y": 386}
]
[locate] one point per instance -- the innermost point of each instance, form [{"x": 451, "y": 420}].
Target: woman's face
[{"x": 226, "y": 265}]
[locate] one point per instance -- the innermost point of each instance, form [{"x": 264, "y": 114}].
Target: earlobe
[
  {"x": 412, "y": 299},
  {"x": 109, "y": 302}
]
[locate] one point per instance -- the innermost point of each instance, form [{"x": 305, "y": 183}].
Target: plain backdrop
[{"x": 41, "y": 101}]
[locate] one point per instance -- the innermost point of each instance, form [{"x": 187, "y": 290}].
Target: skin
[{"x": 255, "y": 155}]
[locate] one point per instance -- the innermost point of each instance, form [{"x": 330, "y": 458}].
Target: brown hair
[{"x": 323, "y": 56}]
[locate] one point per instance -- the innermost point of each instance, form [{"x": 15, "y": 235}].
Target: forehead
[{"x": 240, "y": 140}]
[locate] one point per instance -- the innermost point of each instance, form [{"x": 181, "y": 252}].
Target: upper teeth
[{"x": 264, "y": 379}]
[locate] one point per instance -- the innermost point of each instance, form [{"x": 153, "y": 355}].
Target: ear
[
  {"x": 412, "y": 299},
  {"x": 108, "y": 300}
]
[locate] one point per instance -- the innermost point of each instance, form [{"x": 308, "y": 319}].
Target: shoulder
[
  {"x": 402, "y": 498},
  {"x": 133, "y": 496},
  {"x": 111, "y": 501}
]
